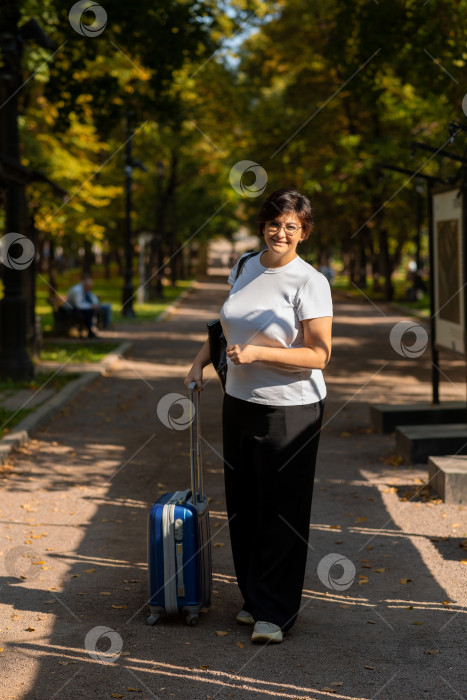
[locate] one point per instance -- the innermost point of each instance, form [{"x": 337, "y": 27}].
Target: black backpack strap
[{"x": 242, "y": 261}]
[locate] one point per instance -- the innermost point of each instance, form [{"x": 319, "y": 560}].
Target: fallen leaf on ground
[
  {"x": 371, "y": 668},
  {"x": 337, "y": 683},
  {"x": 221, "y": 633},
  {"x": 405, "y": 580},
  {"x": 120, "y": 607},
  {"x": 371, "y": 622},
  {"x": 134, "y": 690},
  {"x": 89, "y": 571},
  {"x": 239, "y": 644},
  {"x": 219, "y": 544},
  {"x": 38, "y": 562},
  {"x": 380, "y": 571},
  {"x": 31, "y": 629},
  {"x": 361, "y": 519},
  {"x": 329, "y": 690},
  {"x": 409, "y": 607},
  {"x": 431, "y": 651},
  {"x": 204, "y": 667},
  {"x": 105, "y": 593},
  {"x": 416, "y": 622},
  {"x": 463, "y": 561},
  {"x": 116, "y": 695}
]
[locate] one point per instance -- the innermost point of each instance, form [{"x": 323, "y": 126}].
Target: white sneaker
[
  {"x": 267, "y": 632},
  {"x": 245, "y": 618}
]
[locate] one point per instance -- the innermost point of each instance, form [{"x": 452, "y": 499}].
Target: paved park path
[{"x": 76, "y": 498}]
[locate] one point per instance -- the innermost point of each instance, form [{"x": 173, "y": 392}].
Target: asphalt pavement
[{"x": 384, "y": 602}]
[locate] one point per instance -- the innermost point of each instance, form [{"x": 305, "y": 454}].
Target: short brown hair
[{"x": 286, "y": 200}]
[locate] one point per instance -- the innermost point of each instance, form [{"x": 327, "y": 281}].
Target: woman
[{"x": 277, "y": 321}]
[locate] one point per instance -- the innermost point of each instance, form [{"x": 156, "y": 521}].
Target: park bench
[{"x": 67, "y": 319}]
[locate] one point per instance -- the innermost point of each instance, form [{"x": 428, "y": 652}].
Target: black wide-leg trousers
[{"x": 269, "y": 468}]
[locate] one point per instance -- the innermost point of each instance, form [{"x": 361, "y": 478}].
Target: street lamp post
[
  {"x": 127, "y": 298},
  {"x": 130, "y": 164},
  {"x": 159, "y": 236}
]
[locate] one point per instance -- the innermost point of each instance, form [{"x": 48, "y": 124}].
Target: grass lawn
[
  {"x": 39, "y": 380},
  {"x": 78, "y": 352},
  {"x": 400, "y": 293},
  {"x": 107, "y": 290},
  {"x": 10, "y": 418}
]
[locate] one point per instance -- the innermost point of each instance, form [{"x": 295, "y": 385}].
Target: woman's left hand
[{"x": 242, "y": 354}]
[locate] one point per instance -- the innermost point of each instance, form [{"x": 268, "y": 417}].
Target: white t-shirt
[{"x": 265, "y": 307}]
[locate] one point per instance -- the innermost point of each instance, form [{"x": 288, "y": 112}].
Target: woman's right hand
[{"x": 195, "y": 375}]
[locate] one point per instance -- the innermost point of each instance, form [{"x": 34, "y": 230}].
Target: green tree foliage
[{"x": 318, "y": 93}]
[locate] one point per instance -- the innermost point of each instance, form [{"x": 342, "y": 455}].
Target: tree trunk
[
  {"x": 362, "y": 281},
  {"x": 52, "y": 270},
  {"x": 203, "y": 258},
  {"x": 119, "y": 260},
  {"x": 106, "y": 259},
  {"x": 87, "y": 258},
  {"x": 386, "y": 265}
]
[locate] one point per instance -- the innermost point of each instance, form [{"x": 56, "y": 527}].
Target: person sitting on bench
[{"x": 81, "y": 299}]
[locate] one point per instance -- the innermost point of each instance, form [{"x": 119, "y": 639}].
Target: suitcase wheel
[
  {"x": 192, "y": 619},
  {"x": 152, "y": 619}
]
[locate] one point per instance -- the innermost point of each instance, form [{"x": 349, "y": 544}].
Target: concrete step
[
  {"x": 385, "y": 417},
  {"x": 415, "y": 443},
  {"x": 448, "y": 477}
]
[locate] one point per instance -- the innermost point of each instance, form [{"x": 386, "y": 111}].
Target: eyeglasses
[{"x": 289, "y": 229}]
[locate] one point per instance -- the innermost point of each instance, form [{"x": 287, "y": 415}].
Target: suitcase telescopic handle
[{"x": 195, "y": 445}]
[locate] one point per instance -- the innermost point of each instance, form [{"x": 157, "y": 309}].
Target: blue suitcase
[{"x": 179, "y": 542}]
